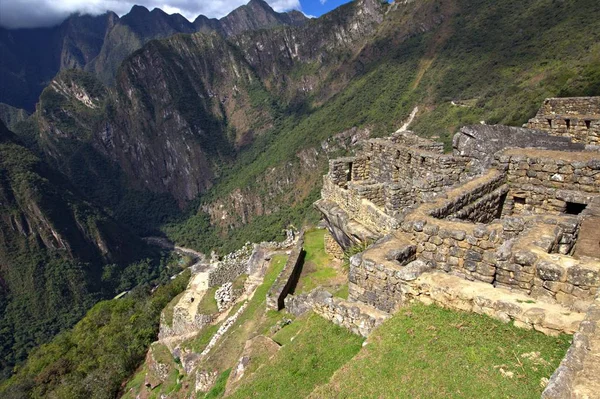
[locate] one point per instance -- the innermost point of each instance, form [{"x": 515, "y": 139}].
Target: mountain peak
[{"x": 138, "y": 10}]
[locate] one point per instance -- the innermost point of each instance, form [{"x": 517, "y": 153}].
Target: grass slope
[
  {"x": 430, "y": 352},
  {"x": 318, "y": 350}
]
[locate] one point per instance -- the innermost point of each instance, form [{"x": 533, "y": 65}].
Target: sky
[{"x": 37, "y": 13}]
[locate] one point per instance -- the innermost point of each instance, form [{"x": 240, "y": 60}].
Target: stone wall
[
  {"x": 287, "y": 278},
  {"x": 546, "y": 181},
  {"x": 474, "y": 296},
  {"x": 480, "y": 142},
  {"x": 354, "y": 316},
  {"x": 231, "y": 266},
  {"x": 567, "y": 379},
  {"x": 410, "y": 139},
  {"x": 351, "y": 315},
  {"x": 362, "y": 210},
  {"x": 391, "y": 162},
  {"x": 376, "y": 276},
  {"x": 576, "y": 117},
  {"x": 463, "y": 248},
  {"x": 531, "y": 264},
  {"x": 332, "y": 247}
]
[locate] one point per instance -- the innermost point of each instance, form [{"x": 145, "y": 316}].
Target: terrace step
[{"x": 474, "y": 296}]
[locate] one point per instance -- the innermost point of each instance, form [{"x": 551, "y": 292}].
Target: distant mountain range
[{"x": 32, "y": 57}]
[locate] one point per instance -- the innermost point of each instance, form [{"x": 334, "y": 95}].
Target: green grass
[
  {"x": 317, "y": 269},
  {"x": 219, "y": 388},
  {"x": 319, "y": 349},
  {"x": 133, "y": 385},
  {"x": 342, "y": 292},
  {"x": 168, "y": 310},
  {"x": 238, "y": 283},
  {"x": 208, "y": 303},
  {"x": 289, "y": 332},
  {"x": 201, "y": 340},
  {"x": 431, "y": 352}
]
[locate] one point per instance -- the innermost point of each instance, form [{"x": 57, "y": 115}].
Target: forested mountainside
[
  {"x": 32, "y": 57},
  {"x": 217, "y": 137},
  {"x": 59, "y": 254}
]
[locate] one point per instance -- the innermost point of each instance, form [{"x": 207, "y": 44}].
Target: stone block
[
  {"x": 549, "y": 271},
  {"x": 581, "y": 276}
]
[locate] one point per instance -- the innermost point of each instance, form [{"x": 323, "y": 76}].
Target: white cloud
[
  {"x": 323, "y": 1},
  {"x": 34, "y": 13}
]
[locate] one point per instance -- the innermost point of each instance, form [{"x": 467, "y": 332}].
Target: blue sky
[
  {"x": 35, "y": 13},
  {"x": 319, "y": 7}
]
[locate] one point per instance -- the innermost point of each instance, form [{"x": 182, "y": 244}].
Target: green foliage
[
  {"x": 353, "y": 250},
  {"x": 104, "y": 348},
  {"x": 196, "y": 231},
  {"x": 208, "y": 303},
  {"x": 441, "y": 353}
]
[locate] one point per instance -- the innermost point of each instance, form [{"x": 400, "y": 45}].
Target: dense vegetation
[
  {"x": 102, "y": 350},
  {"x": 58, "y": 254}
]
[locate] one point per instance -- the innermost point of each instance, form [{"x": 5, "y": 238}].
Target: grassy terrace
[
  {"x": 431, "y": 352},
  {"x": 421, "y": 352},
  {"x": 253, "y": 321},
  {"x": 319, "y": 268},
  {"x": 319, "y": 349}
]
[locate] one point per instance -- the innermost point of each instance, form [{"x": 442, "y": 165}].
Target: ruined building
[
  {"x": 506, "y": 225},
  {"x": 577, "y": 118}
]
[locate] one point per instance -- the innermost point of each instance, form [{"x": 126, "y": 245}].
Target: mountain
[
  {"x": 251, "y": 112},
  {"x": 11, "y": 115},
  {"x": 31, "y": 57},
  {"x": 183, "y": 107},
  {"x": 54, "y": 248},
  {"x": 98, "y": 44},
  {"x": 257, "y": 14}
]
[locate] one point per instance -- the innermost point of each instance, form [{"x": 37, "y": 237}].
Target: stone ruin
[
  {"x": 503, "y": 226},
  {"x": 577, "y": 118}
]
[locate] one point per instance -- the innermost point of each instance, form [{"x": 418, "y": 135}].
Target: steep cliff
[{"x": 53, "y": 247}]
